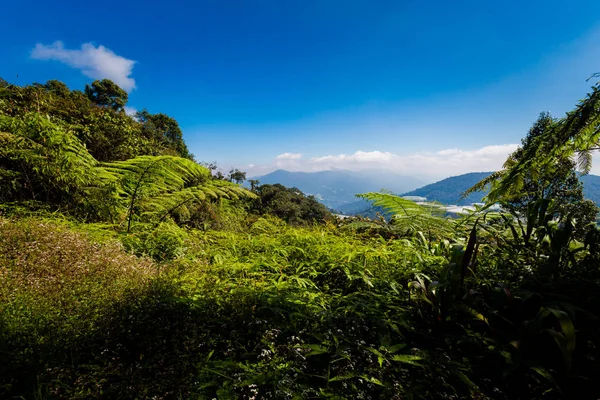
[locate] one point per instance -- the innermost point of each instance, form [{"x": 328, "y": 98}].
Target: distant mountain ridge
[
  {"x": 591, "y": 187},
  {"x": 449, "y": 191},
  {"x": 336, "y": 188}
]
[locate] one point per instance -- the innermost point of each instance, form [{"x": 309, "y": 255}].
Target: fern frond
[
  {"x": 409, "y": 215},
  {"x": 155, "y": 174},
  {"x": 159, "y": 185},
  {"x": 56, "y": 156},
  {"x": 484, "y": 183},
  {"x": 584, "y": 161},
  {"x": 396, "y": 205}
]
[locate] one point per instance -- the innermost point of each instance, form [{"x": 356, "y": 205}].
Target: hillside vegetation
[
  {"x": 451, "y": 190},
  {"x": 129, "y": 270}
]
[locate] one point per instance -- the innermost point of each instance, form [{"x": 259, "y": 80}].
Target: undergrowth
[{"x": 270, "y": 312}]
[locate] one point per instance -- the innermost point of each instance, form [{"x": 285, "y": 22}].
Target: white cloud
[
  {"x": 441, "y": 164},
  {"x": 357, "y": 158},
  {"x": 131, "y": 111},
  {"x": 289, "y": 156},
  {"x": 291, "y": 161},
  {"x": 94, "y": 62}
]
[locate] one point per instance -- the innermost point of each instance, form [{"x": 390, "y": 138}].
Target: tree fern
[
  {"x": 163, "y": 205},
  {"x": 411, "y": 216},
  {"x": 46, "y": 159},
  {"x": 573, "y": 137},
  {"x": 155, "y": 186}
]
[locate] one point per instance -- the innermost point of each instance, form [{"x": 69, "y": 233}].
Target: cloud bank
[
  {"x": 439, "y": 164},
  {"x": 94, "y": 62},
  {"x": 289, "y": 156}
]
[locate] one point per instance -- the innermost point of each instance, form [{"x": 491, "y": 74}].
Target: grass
[{"x": 56, "y": 287}]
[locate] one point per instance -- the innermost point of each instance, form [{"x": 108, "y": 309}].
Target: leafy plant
[
  {"x": 411, "y": 217},
  {"x": 42, "y": 161},
  {"x": 156, "y": 186}
]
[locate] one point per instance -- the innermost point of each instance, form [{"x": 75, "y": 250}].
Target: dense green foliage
[
  {"x": 148, "y": 276},
  {"x": 97, "y": 118},
  {"x": 289, "y": 204},
  {"x": 556, "y": 180}
]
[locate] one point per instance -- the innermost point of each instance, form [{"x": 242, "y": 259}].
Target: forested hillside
[
  {"x": 130, "y": 270},
  {"x": 451, "y": 190}
]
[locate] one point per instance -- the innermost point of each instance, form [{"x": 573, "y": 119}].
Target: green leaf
[
  {"x": 407, "y": 359},
  {"x": 315, "y": 349},
  {"x": 396, "y": 347},
  {"x": 566, "y": 325}
]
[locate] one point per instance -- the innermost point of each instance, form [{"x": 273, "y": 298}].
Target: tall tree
[
  {"x": 237, "y": 176},
  {"x": 254, "y": 183},
  {"x": 107, "y": 93},
  {"x": 557, "y": 180},
  {"x": 574, "y": 136},
  {"x": 554, "y": 180},
  {"x": 164, "y": 130},
  {"x": 57, "y": 88}
]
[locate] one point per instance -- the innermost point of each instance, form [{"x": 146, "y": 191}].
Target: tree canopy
[
  {"x": 161, "y": 128},
  {"x": 289, "y": 204},
  {"x": 572, "y": 137},
  {"x": 97, "y": 118},
  {"x": 107, "y": 93}
]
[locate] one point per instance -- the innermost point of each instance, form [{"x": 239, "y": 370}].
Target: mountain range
[
  {"x": 337, "y": 188},
  {"x": 450, "y": 190}
]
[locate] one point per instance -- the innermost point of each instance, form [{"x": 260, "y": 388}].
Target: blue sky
[{"x": 418, "y": 87}]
